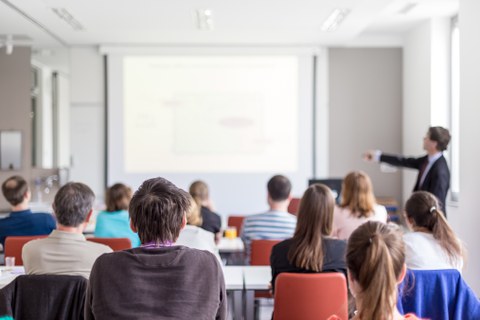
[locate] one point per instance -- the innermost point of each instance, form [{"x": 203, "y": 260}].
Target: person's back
[
  {"x": 115, "y": 225},
  {"x": 165, "y": 283},
  {"x": 158, "y": 280},
  {"x": 22, "y": 221},
  {"x": 66, "y": 251}
]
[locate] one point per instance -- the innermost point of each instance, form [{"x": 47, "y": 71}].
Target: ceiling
[{"x": 236, "y": 23}]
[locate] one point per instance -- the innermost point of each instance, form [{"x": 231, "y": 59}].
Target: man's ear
[
  {"x": 89, "y": 215},
  {"x": 184, "y": 221},
  {"x": 403, "y": 273},
  {"x": 27, "y": 196},
  {"x": 132, "y": 226}
]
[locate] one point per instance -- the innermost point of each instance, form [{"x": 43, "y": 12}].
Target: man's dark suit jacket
[{"x": 437, "y": 180}]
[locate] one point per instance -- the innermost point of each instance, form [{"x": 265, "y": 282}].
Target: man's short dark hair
[
  {"x": 441, "y": 136},
  {"x": 14, "y": 189},
  {"x": 279, "y": 188},
  {"x": 72, "y": 204},
  {"x": 157, "y": 209}
]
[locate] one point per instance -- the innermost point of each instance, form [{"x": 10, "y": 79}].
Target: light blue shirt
[{"x": 115, "y": 224}]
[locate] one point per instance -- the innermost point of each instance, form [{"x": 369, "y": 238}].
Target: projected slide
[{"x": 210, "y": 114}]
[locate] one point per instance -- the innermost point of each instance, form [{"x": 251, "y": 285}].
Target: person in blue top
[
  {"x": 21, "y": 221},
  {"x": 114, "y": 222}
]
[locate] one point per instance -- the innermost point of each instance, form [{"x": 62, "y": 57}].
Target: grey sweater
[{"x": 162, "y": 283}]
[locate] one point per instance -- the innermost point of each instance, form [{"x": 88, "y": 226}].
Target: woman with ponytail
[
  {"x": 311, "y": 249},
  {"x": 376, "y": 264},
  {"x": 432, "y": 245}
]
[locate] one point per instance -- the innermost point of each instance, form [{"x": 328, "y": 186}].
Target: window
[{"x": 455, "y": 111}]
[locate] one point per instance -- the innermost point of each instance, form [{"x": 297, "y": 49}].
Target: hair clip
[{"x": 432, "y": 209}]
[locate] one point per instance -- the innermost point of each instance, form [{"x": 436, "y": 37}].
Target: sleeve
[
  {"x": 273, "y": 266},
  {"x": 440, "y": 183},
  {"x": 88, "y": 314},
  {"x": 222, "y": 308},
  {"x": 400, "y": 161}
]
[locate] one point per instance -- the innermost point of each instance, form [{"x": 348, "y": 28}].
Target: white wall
[
  {"x": 467, "y": 217},
  {"x": 87, "y": 119},
  {"x": 425, "y": 88}
]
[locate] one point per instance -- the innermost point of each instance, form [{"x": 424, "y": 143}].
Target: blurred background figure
[
  {"x": 114, "y": 222},
  {"x": 211, "y": 221},
  {"x": 357, "y": 206}
]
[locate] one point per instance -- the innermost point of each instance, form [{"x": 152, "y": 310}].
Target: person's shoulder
[
  {"x": 35, "y": 245},
  {"x": 201, "y": 258},
  {"x": 98, "y": 247},
  {"x": 282, "y": 245}
]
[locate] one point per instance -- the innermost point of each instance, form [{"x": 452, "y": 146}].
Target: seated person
[
  {"x": 193, "y": 236},
  {"x": 211, "y": 221},
  {"x": 311, "y": 249},
  {"x": 114, "y": 222},
  {"x": 66, "y": 251},
  {"x": 158, "y": 280},
  {"x": 432, "y": 244},
  {"x": 357, "y": 207},
  {"x": 275, "y": 224},
  {"x": 21, "y": 221},
  {"x": 376, "y": 265}
]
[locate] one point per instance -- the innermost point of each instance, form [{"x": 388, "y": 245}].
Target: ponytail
[
  {"x": 375, "y": 258},
  {"x": 422, "y": 207}
]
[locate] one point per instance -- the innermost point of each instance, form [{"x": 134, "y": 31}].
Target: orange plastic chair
[
  {"x": 237, "y": 222},
  {"x": 14, "y": 246},
  {"x": 310, "y": 296},
  {"x": 293, "y": 206},
  {"x": 117, "y": 244},
  {"x": 260, "y": 251}
]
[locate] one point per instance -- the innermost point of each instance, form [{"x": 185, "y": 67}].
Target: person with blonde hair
[
  {"x": 114, "y": 221},
  {"x": 358, "y": 205},
  {"x": 210, "y": 220},
  {"x": 432, "y": 245},
  {"x": 193, "y": 236},
  {"x": 311, "y": 249},
  {"x": 376, "y": 265}
]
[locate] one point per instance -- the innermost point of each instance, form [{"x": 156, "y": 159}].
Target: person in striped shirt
[{"x": 275, "y": 224}]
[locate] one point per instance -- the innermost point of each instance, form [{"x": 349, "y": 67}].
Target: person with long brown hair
[
  {"x": 376, "y": 265},
  {"x": 358, "y": 205},
  {"x": 311, "y": 249},
  {"x": 211, "y": 221},
  {"x": 432, "y": 244}
]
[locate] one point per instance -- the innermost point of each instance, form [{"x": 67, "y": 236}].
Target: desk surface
[
  {"x": 233, "y": 276},
  {"x": 8, "y": 274},
  {"x": 230, "y": 245},
  {"x": 257, "y": 277}
]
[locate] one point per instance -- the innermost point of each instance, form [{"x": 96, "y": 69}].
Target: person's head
[
  {"x": 118, "y": 197},
  {"x": 279, "y": 188},
  {"x": 437, "y": 139},
  {"x": 357, "y": 194},
  {"x": 423, "y": 213},
  {"x": 73, "y": 204},
  {"x": 376, "y": 264},
  {"x": 15, "y": 190},
  {"x": 314, "y": 220},
  {"x": 194, "y": 216},
  {"x": 157, "y": 211},
  {"x": 199, "y": 191}
]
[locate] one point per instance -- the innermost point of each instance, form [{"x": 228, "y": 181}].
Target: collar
[
  {"x": 67, "y": 235},
  {"x": 21, "y": 212},
  {"x": 434, "y": 157}
]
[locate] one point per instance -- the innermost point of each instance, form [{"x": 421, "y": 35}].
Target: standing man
[
  {"x": 21, "y": 221},
  {"x": 66, "y": 251},
  {"x": 433, "y": 172},
  {"x": 276, "y": 223}
]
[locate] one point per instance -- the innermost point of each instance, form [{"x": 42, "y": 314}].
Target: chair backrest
[
  {"x": 260, "y": 251},
  {"x": 44, "y": 297},
  {"x": 237, "y": 222},
  {"x": 310, "y": 296},
  {"x": 437, "y": 294},
  {"x": 117, "y": 244},
  {"x": 14, "y": 246},
  {"x": 293, "y": 206}
]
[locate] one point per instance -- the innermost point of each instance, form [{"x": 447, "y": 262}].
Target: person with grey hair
[{"x": 66, "y": 251}]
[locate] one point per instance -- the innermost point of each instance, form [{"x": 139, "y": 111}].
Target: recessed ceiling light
[
  {"x": 334, "y": 19},
  {"x": 204, "y": 19}
]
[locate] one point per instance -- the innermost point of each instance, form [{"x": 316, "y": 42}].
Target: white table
[
  {"x": 227, "y": 245},
  {"x": 234, "y": 284},
  {"x": 255, "y": 278},
  {"x": 8, "y": 274}
]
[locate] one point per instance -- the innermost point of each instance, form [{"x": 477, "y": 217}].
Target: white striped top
[{"x": 271, "y": 225}]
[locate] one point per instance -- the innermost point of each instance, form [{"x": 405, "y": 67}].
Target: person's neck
[
  {"x": 421, "y": 229},
  {"x": 20, "y": 207},
  {"x": 79, "y": 229},
  {"x": 279, "y": 205}
]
